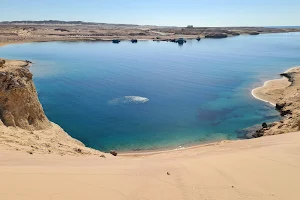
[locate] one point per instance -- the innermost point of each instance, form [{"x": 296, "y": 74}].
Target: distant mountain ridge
[{"x": 50, "y": 22}]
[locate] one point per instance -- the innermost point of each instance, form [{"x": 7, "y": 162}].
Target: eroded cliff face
[
  {"x": 19, "y": 104},
  {"x": 24, "y": 125}
]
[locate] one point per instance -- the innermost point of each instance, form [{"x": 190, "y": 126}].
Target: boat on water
[
  {"x": 198, "y": 38},
  {"x": 134, "y": 41},
  {"x": 181, "y": 41},
  {"x": 116, "y": 41}
]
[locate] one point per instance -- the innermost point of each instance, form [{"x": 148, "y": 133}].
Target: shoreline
[
  {"x": 284, "y": 95},
  {"x": 168, "y": 37},
  {"x": 171, "y": 150},
  {"x": 256, "y": 96},
  {"x": 267, "y": 84},
  {"x": 282, "y": 81},
  {"x": 193, "y": 145}
]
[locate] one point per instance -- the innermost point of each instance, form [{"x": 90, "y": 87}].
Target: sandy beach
[
  {"x": 248, "y": 169},
  {"x": 261, "y": 93},
  {"x": 284, "y": 95},
  {"x": 272, "y": 89}
]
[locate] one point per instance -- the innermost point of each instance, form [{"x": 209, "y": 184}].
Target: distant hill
[{"x": 51, "y": 22}]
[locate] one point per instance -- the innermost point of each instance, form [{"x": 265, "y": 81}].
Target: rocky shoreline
[{"x": 286, "y": 98}]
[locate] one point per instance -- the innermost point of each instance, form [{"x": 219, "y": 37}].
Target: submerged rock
[
  {"x": 113, "y": 152},
  {"x": 264, "y": 125},
  {"x": 258, "y": 133}
]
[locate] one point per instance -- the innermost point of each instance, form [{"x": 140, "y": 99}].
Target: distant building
[{"x": 190, "y": 26}]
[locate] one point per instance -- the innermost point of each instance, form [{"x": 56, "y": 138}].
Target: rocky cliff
[
  {"x": 24, "y": 125},
  {"x": 19, "y": 104}
]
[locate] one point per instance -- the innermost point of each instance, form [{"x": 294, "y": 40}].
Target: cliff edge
[
  {"x": 19, "y": 104},
  {"x": 24, "y": 125}
]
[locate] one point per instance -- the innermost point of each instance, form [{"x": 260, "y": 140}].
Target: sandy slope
[{"x": 264, "y": 168}]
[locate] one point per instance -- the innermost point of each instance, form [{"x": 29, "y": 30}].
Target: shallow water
[{"x": 156, "y": 94}]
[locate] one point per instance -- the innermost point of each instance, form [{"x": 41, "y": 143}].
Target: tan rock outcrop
[
  {"x": 23, "y": 123},
  {"x": 2, "y": 62},
  {"x": 19, "y": 104}
]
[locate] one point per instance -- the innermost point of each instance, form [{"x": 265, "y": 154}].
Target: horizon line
[{"x": 131, "y": 24}]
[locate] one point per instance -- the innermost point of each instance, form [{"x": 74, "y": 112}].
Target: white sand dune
[{"x": 260, "y": 169}]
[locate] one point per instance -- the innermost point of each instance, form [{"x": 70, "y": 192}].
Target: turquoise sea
[{"x": 153, "y": 95}]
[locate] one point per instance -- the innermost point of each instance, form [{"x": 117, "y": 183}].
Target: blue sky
[{"x": 158, "y": 12}]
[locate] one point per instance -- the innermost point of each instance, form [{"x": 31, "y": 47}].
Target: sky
[{"x": 158, "y": 12}]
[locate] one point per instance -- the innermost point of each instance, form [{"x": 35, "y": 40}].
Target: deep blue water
[{"x": 198, "y": 92}]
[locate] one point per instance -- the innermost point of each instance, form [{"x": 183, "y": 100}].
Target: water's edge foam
[
  {"x": 264, "y": 85},
  {"x": 128, "y": 100}
]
